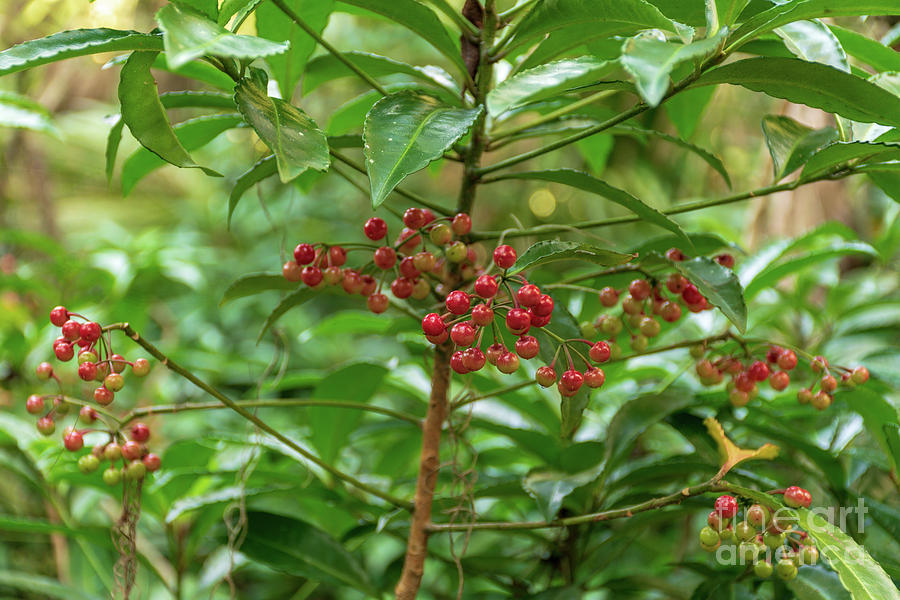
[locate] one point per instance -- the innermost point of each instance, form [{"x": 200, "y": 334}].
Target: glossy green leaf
[
  {"x": 585, "y": 182},
  {"x": 650, "y": 61},
  {"x": 567, "y": 39},
  {"x": 38, "y": 586},
  {"x": 327, "y": 67},
  {"x": 225, "y": 495},
  {"x": 23, "y": 113},
  {"x": 887, "y": 517},
  {"x": 188, "y": 35},
  {"x": 872, "y": 52},
  {"x": 840, "y": 153},
  {"x": 812, "y": 84},
  {"x": 264, "y": 168},
  {"x": 235, "y": 8},
  {"x": 867, "y": 132},
  {"x": 250, "y": 285},
  {"x": 728, "y": 11},
  {"x": 791, "y": 144},
  {"x": 113, "y": 139},
  {"x": 813, "y": 41},
  {"x": 877, "y": 413},
  {"x": 817, "y": 584},
  {"x": 192, "y": 135},
  {"x": 419, "y": 19},
  {"x": 69, "y": 44},
  {"x": 303, "y": 550},
  {"x": 272, "y": 24},
  {"x": 296, "y": 298},
  {"x": 550, "y": 488},
  {"x": 549, "y": 251},
  {"x": 195, "y": 99},
  {"x": 330, "y": 427},
  {"x": 546, "y": 81},
  {"x": 720, "y": 286},
  {"x": 294, "y": 138},
  {"x": 406, "y": 131},
  {"x": 858, "y": 572}
]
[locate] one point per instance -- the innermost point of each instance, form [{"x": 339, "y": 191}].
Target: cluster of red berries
[
  {"x": 136, "y": 459},
  {"x": 96, "y": 363},
  {"x": 762, "y": 538},
  {"x": 408, "y": 260},
  {"x": 745, "y": 375}
]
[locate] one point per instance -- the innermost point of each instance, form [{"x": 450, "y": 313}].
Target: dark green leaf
[
  {"x": 711, "y": 159},
  {"x": 720, "y": 286},
  {"x": 23, "y": 113},
  {"x": 192, "y": 134},
  {"x": 876, "y": 412},
  {"x": 188, "y": 35},
  {"x": 817, "y": 584},
  {"x": 193, "y": 99},
  {"x": 550, "y": 488},
  {"x": 869, "y": 51},
  {"x": 294, "y": 138},
  {"x": 892, "y": 436},
  {"x": 201, "y": 71},
  {"x": 704, "y": 243},
  {"x": 406, "y": 131},
  {"x": 303, "y": 550},
  {"x": 571, "y": 409},
  {"x": 887, "y": 517},
  {"x": 839, "y": 153},
  {"x": 813, "y": 84},
  {"x": 791, "y": 144},
  {"x": 293, "y": 299},
  {"x": 264, "y": 168},
  {"x": 272, "y": 24},
  {"x": 250, "y": 285},
  {"x": 327, "y": 67},
  {"x": 78, "y": 42},
  {"x": 112, "y": 146},
  {"x": 813, "y": 41},
  {"x": 208, "y": 8},
  {"x": 551, "y": 251}
]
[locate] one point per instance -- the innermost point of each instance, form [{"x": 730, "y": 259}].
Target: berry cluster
[
  {"x": 761, "y": 537},
  {"x": 408, "y": 259},
  {"x": 96, "y": 362}
]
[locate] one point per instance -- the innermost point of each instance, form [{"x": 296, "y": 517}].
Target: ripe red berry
[
  {"x": 744, "y": 382},
  {"x": 71, "y": 330},
  {"x": 34, "y": 404},
  {"x": 140, "y": 432},
  {"x": 726, "y": 506},
  {"x": 609, "y": 296},
  {"x": 828, "y": 383},
  {"x": 675, "y": 255},
  {"x": 545, "y": 376},
  {"x": 486, "y": 286},
  {"x": 726, "y": 260},
  {"x": 304, "y": 254},
  {"x": 385, "y": 257},
  {"x": 787, "y": 360},
  {"x": 103, "y": 396},
  {"x": 518, "y": 320},
  {"x": 458, "y": 362},
  {"x": 528, "y": 295},
  {"x": 474, "y": 359},
  {"x": 337, "y": 256},
  {"x": 640, "y": 289},
  {"x": 676, "y": 283},
  {"x": 408, "y": 240},
  {"x": 63, "y": 351},
  {"x": 779, "y": 381},
  {"x": 507, "y": 363},
  {"x": 375, "y": 228},
  {"x": 494, "y": 351},
  {"x": 439, "y": 338},
  {"x": 131, "y": 450},
  {"x": 423, "y": 262},
  {"x": 73, "y": 441},
  {"x": 59, "y": 315},
  {"x": 429, "y": 216},
  {"x": 377, "y": 303},
  {"x": 796, "y": 497},
  {"x": 527, "y": 346},
  {"x": 291, "y": 270},
  {"x": 433, "y": 324},
  {"x": 369, "y": 284},
  {"x": 91, "y": 331},
  {"x": 669, "y": 311},
  {"x": 402, "y": 287},
  {"x": 46, "y": 425},
  {"x": 408, "y": 268},
  {"x": 152, "y": 462},
  {"x": 543, "y": 308},
  {"x": 311, "y": 276},
  {"x": 458, "y": 302},
  {"x": 859, "y": 375},
  {"x": 462, "y": 224},
  {"x": 571, "y": 380},
  {"x": 87, "y": 371},
  {"x": 482, "y": 315},
  {"x": 819, "y": 364},
  {"x": 758, "y": 371},
  {"x": 463, "y": 334},
  {"x": 692, "y": 295},
  {"x": 414, "y": 218},
  {"x": 504, "y": 256},
  {"x": 600, "y": 352},
  {"x": 594, "y": 377},
  {"x": 44, "y": 371}
]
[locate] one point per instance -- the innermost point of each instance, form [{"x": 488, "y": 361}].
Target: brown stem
[{"x": 429, "y": 463}]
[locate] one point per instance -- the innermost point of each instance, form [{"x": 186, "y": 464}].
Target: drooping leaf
[
  {"x": 650, "y": 61},
  {"x": 406, "y": 131},
  {"x": 546, "y": 81},
  {"x": 877, "y": 413},
  {"x": 293, "y": 299},
  {"x": 549, "y": 251},
  {"x": 711, "y": 159},
  {"x": 188, "y": 35},
  {"x": 302, "y": 549},
  {"x": 892, "y": 436},
  {"x": 839, "y": 153},
  {"x": 720, "y": 286},
  {"x": 327, "y": 67},
  {"x": 550, "y": 488},
  {"x": 791, "y": 144},
  {"x": 113, "y": 139},
  {"x": 272, "y": 24},
  {"x": 869, "y": 51},
  {"x": 255, "y": 283},
  {"x": 730, "y": 454},
  {"x": 813, "y": 41},
  {"x": 585, "y": 182},
  {"x": 201, "y": 71},
  {"x": 69, "y": 44},
  {"x": 296, "y": 141},
  {"x": 265, "y": 167},
  {"x": 23, "y": 113},
  {"x": 812, "y": 84}
]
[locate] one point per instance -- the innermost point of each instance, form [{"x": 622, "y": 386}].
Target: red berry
[
  {"x": 594, "y": 377},
  {"x": 463, "y": 334},
  {"x": 409, "y": 239},
  {"x": 46, "y": 425},
  {"x": 726, "y": 260},
  {"x": 474, "y": 359},
  {"x": 458, "y": 302},
  {"x": 675, "y": 255},
  {"x": 73, "y": 441},
  {"x": 44, "y": 371},
  {"x": 304, "y": 254},
  {"x": 758, "y": 371},
  {"x": 828, "y": 383},
  {"x": 676, "y": 283},
  {"x": 71, "y": 330},
  {"x": 375, "y": 228},
  {"x": 543, "y": 307},
  {"x": 545, "y": 376},
  {"x": 773, "y": 353},
  {"x": 609, "y": 297},
  {"x": 87, "y": 414},
  {"x": 291, "y": 270},
  {"x": 87, "y": 371},
  {"x": 600, "y": 352},
  {"x": 64, "y": 351},
  {"x": 333, "y": 275},
  {"x": 429, "y": 216},
  {"x": 103, "y": 396},
  {"x": 779, "y": 380},
  {"x": 408, "y": 268},
  {"x": 640, "y": 289},
  {"x": 414, "y": 218},
  {"x": 494, "y": 352},
  {"x": 859, "y": 375},
  {"x": 458, "y": 362},
  {"x": 140, "y": 367},
  {"x": 571, "y": 380},
  {"x": 692, "y": 295},
  {"x": 528, "y": 295},
  {"x": 796, "y": 497},
  {"x": 669, "y": 311},
  {"x": 538, "y": 320},
  {"x": 507, "y": 363},
  {"x": 91, "y": 331},
  {"x": 59, "y": 315},
  {"x": 34, "y": 404},
  {"x": 706, "y": 370},
  {"x": 518, "y": 320},
  {"x": 819, "y": 364},
  {"x": 433, "y": 324},
  {"x": 131, "y": 450},
  {"x": 504, "y": 256},
  {"x": 726, "y": 506},
  {"x": 482, "y": 315},
  {"x": 351, "y": 282},
  {"x": 439, "y": 338},
  {"x": 311, "y": 276},
  {"x": 462, "y": 224},
  {"x": 527, "y": 346},
  {"x": 377, "y": 303},
  {"x": 385, "y": 257},
  {"x": 787, "y": 360},
  {"x": 337, "y": 256},
  {"x": 369, "y": 284},
  {"x": 152, "y": 462},
  {"x": 744, "y": 382},
  {"x": 402, "y": 287},
  {"x": 140, "y": 432},
  {"x": 486, "y": 286}
]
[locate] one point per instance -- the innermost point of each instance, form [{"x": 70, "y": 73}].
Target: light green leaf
[
  {"x": 253, "y": 284},
  {"x": 195, "y": 99},
  {"x": 294, "y": 138},
  {"x": 877, "y": 412},
  {"x": 406, "y": 131},
  {"x": 188, "y": 504},
  {"x": 550, "y": 488},
  {"x": 208, "y": 8},
  {"x": 812, "y": 84},
  {"x": 188, "y": 35},
  {"x": 23, "y": 113},
  {"x": 720, "y": 286},
  {"x": 839, "y": 153},
  {"x": 869, "y": 51},
  {"x": 112, "y": 146},
  {"x": 265, "y": 167},
  {"x": 686, "y": 108},
  {"x": 650, "y": 61},
  {"x": 78, "y": 42},
  {"x": 791, "y": 144},
  {"x": 813, "y": 41},
  {"x": 230, "y": 8},
  {"x": 327, "y": 67},
  {"x": 728, "y": 11},
  {"x": 817, "y": 584},
  {"x": 551, "y": 251},
  {"x": 296, "y": 298}
]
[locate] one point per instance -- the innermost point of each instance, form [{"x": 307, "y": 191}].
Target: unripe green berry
[
  {"x": 786, "y": 569},
  {"x": 763, "y": 569},
  {"x": 88, "y": 463},
  {"x": 611, "y": 325},
  {"x": 709, "y": 536},
  {"x": 140, "y": 367},
  {"x": 615, "y": 351},
  {"x": 710, "y": 548},
  {"x": 745, "y": 531},
  {"x": 809, "y": 555},
  {"x": 136, "y": 470},
  {"x": 728, "y": 536},
  {"x": 112, "y": 451},
  {"x": 650, "y": 327},
  {"x": 456, "y": 253},
  {"x": 587, "y": 329},
  {"x": 441, "y": 234},
  {"x": 114, "y": 382},
  {"x": 87, "y": 356},
  {"x": 773, "y": 540},
  {"x": 698, "y": 350},
  {"x": 748, "y": 551},
  {"x": 112, "y": 476}
]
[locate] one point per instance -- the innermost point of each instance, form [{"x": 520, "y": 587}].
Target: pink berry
[
  {"x": 779, "y": 380},
  {"x": 103, "y": 396},
  {"x": 377, "y": 303},
  {"x": 44, "y": 371},
  {"x": 461, "y": 224},
  {"x": 87, "y": 414},
  {"x": 726, "y": 506},
  {"x": 594, "y": 377},
  {"x": 34, "y": 404},
  {"x": 131, "y": 450},
  {"x": 73, "y": 441},
  {"x": 482, "y": 315},
  {"x": 545, "y": 376},
  {"x": 494, "y": 352}
]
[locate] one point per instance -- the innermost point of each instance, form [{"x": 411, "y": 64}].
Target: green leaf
[
  {"x": 41, "y": 587},
  {"x": 194, "y": 99},
  {"x": 817, "y": 584},
  {"x": 192, "y": 134},
  {"x": 112, "y": 146},
  {"x": 813, "y": 41},
  {"x": 686, "y": 108},
  {"x": 294, "y": 138},
  {"x": 327, "y": 67},
  {"x": 650, "y": 61},
  {"x": 604, "y": 17},
  {"x": 791, "y": 144},
  {"x": 551, "y": 251},
  {"x": 229, "y": 494},
  {"x": 838, "y": 153},
  {"x": 406, "y": 131},
  {"x": 290, "y": 301},
  {"x": 231, "y": 8},
  {"x": 789, "y": 12},
  {"x": 892, "y": 436},
  {"x": 859, "y": 573},
  {"x": 303, "y": 550},
  {"x": 188, "y": 35},
  {"x": 867, "y": 50},
  {"x": 272, "y": 24},
  {"x": 711, "y": 159},
  {"x": 550, "y": 488},
  {"x": 69, "y": 44},
  {"x": 250, "y": 285},
  {"x": 21, "y": 112},
  {"x": 208, "y": 8},
  {"x": 887, "y": 517},
  {"x": 812, "y": 84},
  {"x": 330, "y": 427},
  {"x": 720, "y": 286},
  {"x": 585, "y": 182},
  {"x": 546, "y": 81},
  {"x": 877, "y": 413},
  {"x": 264, "y": 168},
  {"x": 419, "y": 19},
  {"x": 728, "y": 11}
]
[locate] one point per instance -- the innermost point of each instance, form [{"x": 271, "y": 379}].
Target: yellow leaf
[{"x": 730, "y": 453}]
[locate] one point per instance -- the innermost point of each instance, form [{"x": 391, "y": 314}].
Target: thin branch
[{"x": 174, "y": 366}]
